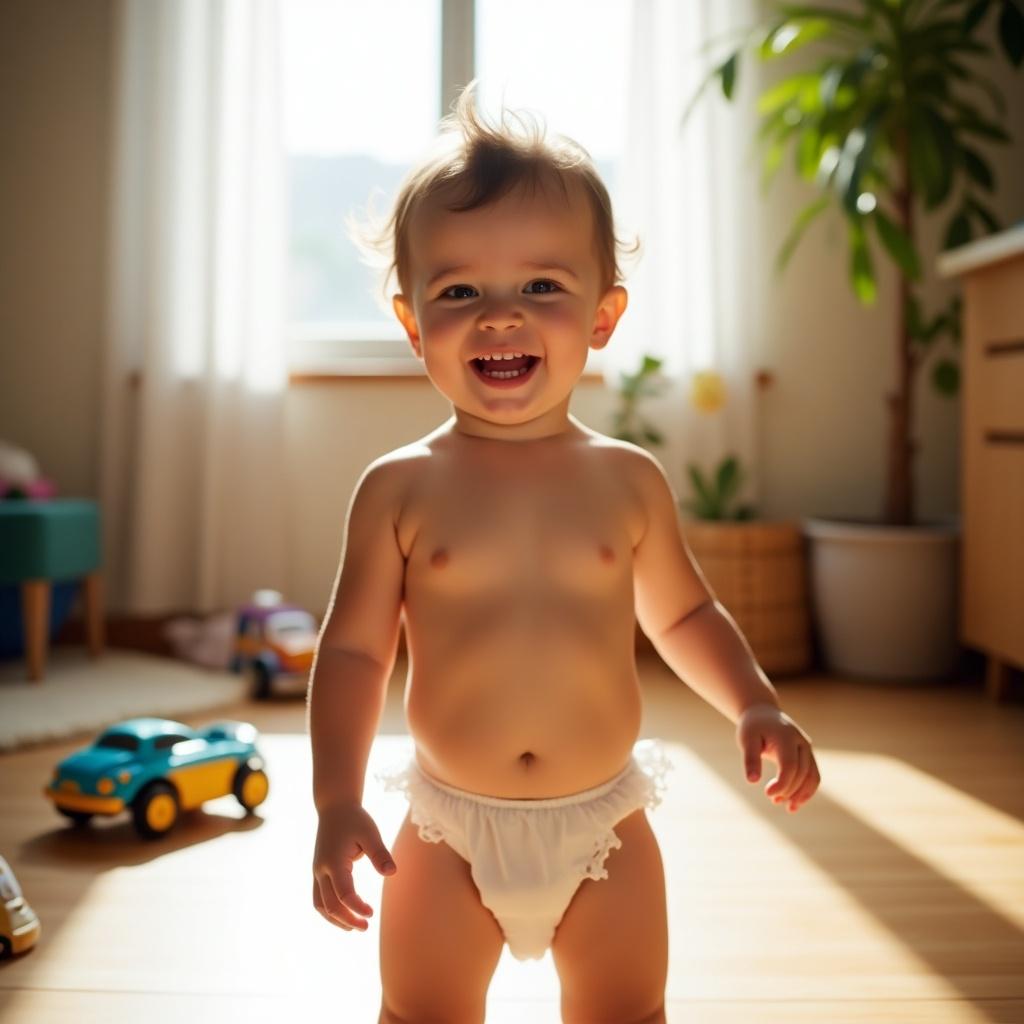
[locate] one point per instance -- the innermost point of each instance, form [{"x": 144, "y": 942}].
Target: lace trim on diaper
[
  {"x": 404, "y": 780},
  {"x": 650, "y": 787},
  {"x": 655, "y": 764},
  {"x": 595, "y": 868}
]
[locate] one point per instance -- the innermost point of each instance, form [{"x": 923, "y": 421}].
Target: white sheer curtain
[
  {"x": 692, "y": 196},
  {"x": 192, "y": 453}
]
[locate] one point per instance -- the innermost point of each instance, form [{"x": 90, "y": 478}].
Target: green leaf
[
  {"x": 900, "y": 247},
  {"x": 932, "y": 149},
  {"x": 728, "y": 478},
  {"x": 791, "y": 35},
  {"x": 977, "y": 169},
  {"x": 783, "y": 93},
  {"x": 800, "y": 225},
  {"x": 862, "y": 274},
  {"x": 807, "y": 152},
  {"x": 705, "y": 496},
  {"x": 855, "y": 158},
  {"x": 946, "y": 377},
  {"x": 839, "y": 18},
  {"x": 727, "y": 73},
  {"x": 983, "y": 213},
  {"x": 652, "y": 436},
  {"x": 970, "y": 120},
  {"x": 974, "y": 14},
  {"x": 959, "y": 231},
  {"x": 1011, "y": 32}
]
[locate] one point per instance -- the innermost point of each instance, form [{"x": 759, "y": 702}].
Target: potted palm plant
[{"x": 887, "y": 121}]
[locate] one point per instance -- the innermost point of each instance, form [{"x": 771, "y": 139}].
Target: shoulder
[
  {"x": 642, "y": 469},
  {"x": 387, "y": 479}
]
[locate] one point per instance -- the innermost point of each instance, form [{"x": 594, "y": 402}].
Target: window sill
[
  {"x": 386, "y": 368},
  {"x": 369, "y": 370}
]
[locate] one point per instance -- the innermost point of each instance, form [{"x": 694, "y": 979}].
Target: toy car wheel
[
  {"x": 6, "y": 949},
  {"x": 155, "y": 810},
  {"x": 78, "y": 817},
  {"x": 251, "y": 786},
  {"x": 259, "y": 677}
]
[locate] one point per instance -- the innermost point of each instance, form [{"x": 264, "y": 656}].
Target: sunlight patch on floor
[{"x": 973, "y": 844}]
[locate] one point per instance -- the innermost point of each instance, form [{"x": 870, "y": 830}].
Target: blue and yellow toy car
[{"x": 158, "y": 768}]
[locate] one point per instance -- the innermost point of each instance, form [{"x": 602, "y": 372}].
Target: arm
[
  {"x": 699, "y": 641},
  {"x": 348, "y": 685},
  {"x": 693, "y": 633}
]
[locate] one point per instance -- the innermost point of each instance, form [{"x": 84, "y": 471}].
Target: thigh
[
  {"x": 611, "y": 948},
  {"x": 439, "y": 944}
]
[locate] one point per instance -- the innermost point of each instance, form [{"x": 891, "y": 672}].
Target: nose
[{"x": 499, "y": 318}]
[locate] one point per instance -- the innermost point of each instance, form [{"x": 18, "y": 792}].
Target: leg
[
  {"x": 439, "y": 944},
  {"x": 611, "y": 948},
  {"x": 35, "y": 611}
]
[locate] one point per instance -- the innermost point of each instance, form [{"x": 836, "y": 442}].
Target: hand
[
  {"x": 345, "y": 833},
  {"x": 763, "y": 730}
]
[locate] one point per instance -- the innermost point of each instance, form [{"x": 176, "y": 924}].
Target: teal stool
[{"x": 42, "y": 542}]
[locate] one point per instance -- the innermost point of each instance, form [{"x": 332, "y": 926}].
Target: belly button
[
  {"x": 439, "y": 559},
  {"x": 527, "y": 758}
]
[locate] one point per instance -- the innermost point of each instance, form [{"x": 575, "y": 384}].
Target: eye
[
  {"x": 550, "y": 287},
  {"x": 456, "y": 287}
]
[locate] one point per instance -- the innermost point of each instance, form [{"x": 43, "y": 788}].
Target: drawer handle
[
  {"x": 1004, "y": 436},
  {"x": 1004, "y": 348}
]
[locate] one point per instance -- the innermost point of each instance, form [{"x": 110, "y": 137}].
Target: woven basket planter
[{"x": 757, "y": 570}]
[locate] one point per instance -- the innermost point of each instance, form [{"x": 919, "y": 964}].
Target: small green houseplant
[
  {"x": 713, "y": 494},
  {"x": 887, "y": 116}
]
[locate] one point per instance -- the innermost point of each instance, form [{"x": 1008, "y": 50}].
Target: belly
[{"x": 524, "y": 715}]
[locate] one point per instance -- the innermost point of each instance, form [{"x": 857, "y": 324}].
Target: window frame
[{"x": 375, "y": 349}]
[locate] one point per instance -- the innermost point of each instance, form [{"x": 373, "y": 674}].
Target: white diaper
[{"x": 528, "y": 857}]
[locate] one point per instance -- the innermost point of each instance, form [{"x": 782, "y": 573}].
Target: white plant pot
[{"x": 885, "y": 598}]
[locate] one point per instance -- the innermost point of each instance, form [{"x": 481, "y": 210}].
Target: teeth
[{"x": 499, "y": 355}]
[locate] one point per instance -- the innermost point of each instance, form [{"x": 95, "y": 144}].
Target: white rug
[{"x": 80, "y": 695}]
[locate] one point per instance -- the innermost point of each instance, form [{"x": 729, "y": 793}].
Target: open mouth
[{"x": 505, "y": 372}]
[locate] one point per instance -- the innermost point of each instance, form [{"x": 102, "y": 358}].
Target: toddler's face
[{"x": 520, "y": 275}]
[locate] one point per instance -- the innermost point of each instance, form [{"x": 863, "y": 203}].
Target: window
[
  {"x": 365, "y": 84},
  {"x": 117, "y": 741}
]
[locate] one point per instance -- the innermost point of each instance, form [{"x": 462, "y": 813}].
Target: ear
[
  {"x": 609, "y": 309},
  {"x": 404, "y": 312}
]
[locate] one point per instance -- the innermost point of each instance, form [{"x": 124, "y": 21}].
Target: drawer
[
  {"x": 1000, "y": 391},
  {"x": 992, "y": 549}
]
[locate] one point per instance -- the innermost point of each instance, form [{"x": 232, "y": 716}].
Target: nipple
[
  {"x": 607, "y": 555},
  {"x": 439, "y": 559}
]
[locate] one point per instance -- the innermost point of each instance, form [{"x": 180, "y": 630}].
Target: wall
[{"x": 822, "y": 424}]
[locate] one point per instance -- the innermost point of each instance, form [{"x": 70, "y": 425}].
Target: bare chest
[{"x": 480, "y": 528}]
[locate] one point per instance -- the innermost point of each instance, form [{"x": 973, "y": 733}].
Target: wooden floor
[{"x": 896, "y": 895}]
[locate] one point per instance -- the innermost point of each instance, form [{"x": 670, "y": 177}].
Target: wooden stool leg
[
  {"x": 35, "y": 610},
  {"x": 94, "y": 624}
]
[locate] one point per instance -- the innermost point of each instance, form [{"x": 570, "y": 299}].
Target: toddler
[{"x": 519, "y": 543}]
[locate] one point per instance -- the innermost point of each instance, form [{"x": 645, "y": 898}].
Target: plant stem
[{"x": 899, "y": 496}]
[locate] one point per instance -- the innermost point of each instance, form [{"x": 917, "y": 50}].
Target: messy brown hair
[{"x": 473, "y": 164}]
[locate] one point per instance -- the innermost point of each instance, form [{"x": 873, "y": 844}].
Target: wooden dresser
[{"x": 992, "y": 471}]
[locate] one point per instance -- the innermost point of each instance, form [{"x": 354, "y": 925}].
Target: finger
[
  {"x": 791, "y": 773},
  {"x": 380, "y": 858},
  {"x": 797, "y": 775},
  {"x": 318, "y": 903},
  {"x": 342, "y": 902},
  {"x": 752, "y": 759},
  {"x": 807, "y": 790}
]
